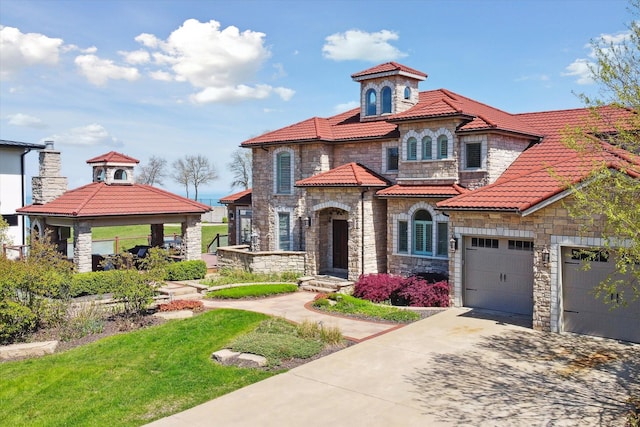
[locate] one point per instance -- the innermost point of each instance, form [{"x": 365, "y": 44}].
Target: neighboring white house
[{"x": 13, "y": 188}]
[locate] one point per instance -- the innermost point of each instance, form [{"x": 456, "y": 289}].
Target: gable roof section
[
  {"x": 99, "y": 199},
  {"x": 422, "y": 191},
  {"x": 527, "y": 192},
  {"x": 349, "y": 175},
  {"x": 481, "y": 117},
  {"x": 113, "y": 157},
  {"x": 241, "y": 197},
  {"x": 388, "y": 68}
]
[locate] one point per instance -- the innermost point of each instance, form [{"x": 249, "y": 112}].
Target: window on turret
[
  {"x": 283, "y": 173},
  {"x": 386, "y": 99},
  {"x": 412, "y": 149},
  {"x": 371, "y": 102},
  {"x": 407, "y": 92},
  {"x": 120, "y": 175}
]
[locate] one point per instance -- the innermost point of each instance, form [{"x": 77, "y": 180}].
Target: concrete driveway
[{"x": 456, "y": 368}]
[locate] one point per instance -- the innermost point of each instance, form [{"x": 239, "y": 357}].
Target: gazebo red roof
[
  {"x": 241, "y": 197},
  {"x": 99, "y": 199},
  {"x": 113, "y": 157}
]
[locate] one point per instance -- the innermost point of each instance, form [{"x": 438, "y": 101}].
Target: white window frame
[
  {"x": 436, "y": 218},
  {"x": 276, "y": 154}
]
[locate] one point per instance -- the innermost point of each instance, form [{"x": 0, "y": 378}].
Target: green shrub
[
  {"x": 93, "y": 283},
  {"x": 346, "y": 304},
  {"x": 135, "y": 290},
  {"x": 186, "y": 270},
  {"x": 229, "y": 276},
  {"x": 16, "y": 320}
]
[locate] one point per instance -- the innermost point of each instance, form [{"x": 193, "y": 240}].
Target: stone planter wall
[{"x": 239, "y": 257}]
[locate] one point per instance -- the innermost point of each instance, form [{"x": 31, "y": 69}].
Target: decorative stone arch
[
  {"x": 377, "y": 87},
  {"x": 436, "y": 217},
  {"x": 446, "y": 132},
  {"x": 331, "y": 204}
]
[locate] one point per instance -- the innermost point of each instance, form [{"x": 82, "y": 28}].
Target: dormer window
[
  {"x": 386, "y": 99},
  {"x": 407, "y": 92},
  {"x": 371, "y": 102},
  {"x": 120, "y": 175}
]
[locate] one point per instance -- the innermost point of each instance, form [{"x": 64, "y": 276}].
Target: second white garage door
[{"x": 498, "y": 274}]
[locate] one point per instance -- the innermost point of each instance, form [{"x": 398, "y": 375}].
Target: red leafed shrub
[
  {"x": 418, "y": 293},
  {"x": 413, "y": 291},
  {"x": 377, "y": 287},
  {"x": 181, "y": 304}
]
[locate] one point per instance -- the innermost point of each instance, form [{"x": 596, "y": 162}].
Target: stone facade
[
  {"x": 49, "y": 184},
  {"x": 82, "y": 246}
]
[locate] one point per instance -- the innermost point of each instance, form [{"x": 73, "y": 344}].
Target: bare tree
[
  {"x": 193, "y": 170},
  {"x": 241, "y": 167},
  {"x": 154, "y": 172}
]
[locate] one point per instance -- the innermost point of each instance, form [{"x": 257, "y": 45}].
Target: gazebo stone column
[
  {"x": 82, "y": 246},
  {"x": 192, "y": 237}
]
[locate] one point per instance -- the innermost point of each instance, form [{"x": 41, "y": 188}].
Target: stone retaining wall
[{"x": 239, "y": 257}]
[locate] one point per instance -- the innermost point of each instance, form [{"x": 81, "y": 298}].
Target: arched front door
[{"x": 340, "y": 244}]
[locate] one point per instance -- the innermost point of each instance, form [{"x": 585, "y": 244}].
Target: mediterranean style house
[{"x": 432, "y": 181}]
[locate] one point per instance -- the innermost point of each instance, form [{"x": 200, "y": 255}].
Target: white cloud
[
  {"x": 341, "y": 108},
  {"x": 360, "y": 45},
  {"x": 284, "y": 93},
  {"x": 534, "y": 77},
  {"x": 90, "y": 135},
  {"x": 98, "y": 71},
  {"x": 221, "y": 62},
  {"x": 580, "y": 68},
  {"x": 21, "y": 50},
  {"x": 25, "y": 120},
  {"x": 136, "y": 57},
  {"x": 607, "y": 44}
]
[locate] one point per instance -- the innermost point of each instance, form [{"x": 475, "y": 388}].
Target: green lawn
[
  {"x": 129, "y": 379},
  {"x": 253, "y": 291},
  {"x": 132, "y": 235}
]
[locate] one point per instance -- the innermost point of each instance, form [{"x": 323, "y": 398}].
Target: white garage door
[
  {"x": 582, "y": 312},
  {"x": 498, "y": 274}
]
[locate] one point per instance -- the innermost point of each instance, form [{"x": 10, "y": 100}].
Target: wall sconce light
[
  {"x": 453, "y": 244},
  {"x": 545, "y": 256},
  {"x": 307, "y": 221}
]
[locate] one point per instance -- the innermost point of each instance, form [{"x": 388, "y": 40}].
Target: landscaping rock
[
  {"x": 251, "y": 360},
  {"x": 16, "y": 351},
  {"x": 225, "y": 355},
  {"x": 178, "y": 314}
]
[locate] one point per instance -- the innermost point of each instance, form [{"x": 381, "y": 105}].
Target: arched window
[
  {"x": 443, "y": 147},
  {"x": 283, "y": 173},
  {"x": 412, "y": 148},
  {"x": 99, "y": 172},
  {"x": 371, "y": 100},
  {"x": 386, "y": 99},
  {"x": 407, "y": 92},
  {"x": 120, "y": 175},
  {"x": 422, "y": 233},
  {"x": 426, "y": 148}
]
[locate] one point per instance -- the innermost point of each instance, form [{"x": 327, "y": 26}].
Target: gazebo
[{"x": 112, "y": 199}]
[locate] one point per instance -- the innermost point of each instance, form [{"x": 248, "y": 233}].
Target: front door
[{"x": 340, "y": 243}]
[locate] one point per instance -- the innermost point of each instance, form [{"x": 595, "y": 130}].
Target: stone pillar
[
  {"x": 49, "y": 185},
  {"x": 82, "y": 246},
  {"x": 192, "y": 237}
]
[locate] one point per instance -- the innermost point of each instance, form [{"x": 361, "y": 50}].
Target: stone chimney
[{"x": 49, "y": 185}]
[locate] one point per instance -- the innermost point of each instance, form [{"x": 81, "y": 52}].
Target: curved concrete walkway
[
  {"x": 292, "y": 307},
  {"x": 455, "y": 368}
]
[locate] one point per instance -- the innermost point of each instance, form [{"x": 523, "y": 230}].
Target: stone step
[{"x": 310, "y": 288}]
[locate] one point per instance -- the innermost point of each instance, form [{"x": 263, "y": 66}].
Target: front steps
[{"x": 325, "y": 284}]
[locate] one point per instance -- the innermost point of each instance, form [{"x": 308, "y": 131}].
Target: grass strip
[
  {"x": 253, "y": 291},
  {"x": 232, "y": 276},
  {"x": 129, "y": 379},
  {"x": 352, "y": 306}
]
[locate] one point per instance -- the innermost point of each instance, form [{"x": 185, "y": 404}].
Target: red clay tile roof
[
  {"x": 99, "y": 199},
  {"x": 349, "y": 175},
  {"x": 422, "y": 191},
  {"x": 342, "y": 127},
  {"x": 242, "y": 197},
  {"x": 548, "y": 177},
  {"x": 113, "y": 157},
  {"x": 387, "y": 68},
  {"x": 444, "y": 103}
]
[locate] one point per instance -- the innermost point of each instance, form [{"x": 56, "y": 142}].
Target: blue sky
[{"x": 170, "y": 78}]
